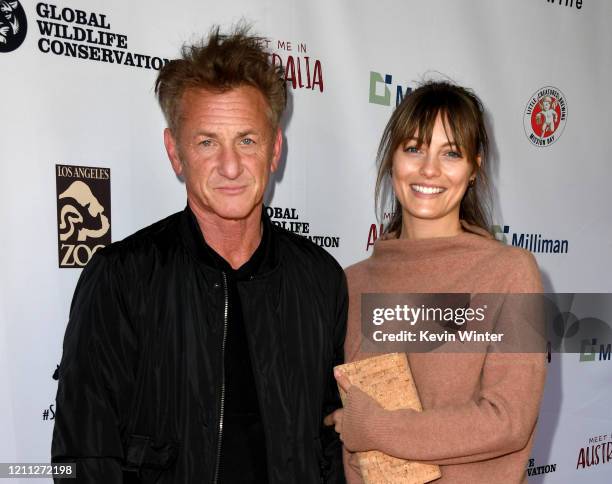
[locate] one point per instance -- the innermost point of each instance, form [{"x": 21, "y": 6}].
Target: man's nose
[{"x": 230, "y": 165}]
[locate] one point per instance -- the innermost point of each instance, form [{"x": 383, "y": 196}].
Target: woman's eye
[
  {"x": 453, "y": 154},
  {"x": 411, "y": 149}
]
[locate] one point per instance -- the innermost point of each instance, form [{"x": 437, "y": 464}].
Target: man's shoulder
[
  {"x": 299, "y": 250},
  {"x": 161, "y": 235}
]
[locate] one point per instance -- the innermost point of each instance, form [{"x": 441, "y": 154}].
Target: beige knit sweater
[{"x": 480, "y": 410}]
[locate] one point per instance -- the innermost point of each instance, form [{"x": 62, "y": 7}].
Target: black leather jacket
[{"x": 141, "y": 378}]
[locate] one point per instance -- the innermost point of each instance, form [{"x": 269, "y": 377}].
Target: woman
[{"x": 480, "y": 409}]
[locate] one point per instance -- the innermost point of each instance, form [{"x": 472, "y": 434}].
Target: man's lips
[{"x": 231, "y": 190}]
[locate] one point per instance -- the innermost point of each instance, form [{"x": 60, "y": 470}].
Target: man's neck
[{"x": 234, "y": 240}]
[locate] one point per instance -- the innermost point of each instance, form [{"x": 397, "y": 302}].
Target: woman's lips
[{"x": 427, "y": 189}]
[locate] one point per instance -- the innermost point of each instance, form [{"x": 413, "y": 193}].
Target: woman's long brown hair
[{"x": 462, "y": 113}]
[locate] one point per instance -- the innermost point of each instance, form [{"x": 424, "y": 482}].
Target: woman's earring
[{"x": 472, "y": 182}]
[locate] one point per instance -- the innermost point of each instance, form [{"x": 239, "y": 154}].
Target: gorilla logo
[
  {"x": 70, "y": 215},
  {"x": 13, "y": 25}
]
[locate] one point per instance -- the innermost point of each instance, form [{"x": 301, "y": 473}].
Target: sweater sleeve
[
  {"x": 351, "y": 467},
  {"x": 499, "y": 419}
]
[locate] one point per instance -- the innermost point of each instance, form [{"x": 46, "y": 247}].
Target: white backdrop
[{"x": 65, "y": 110}]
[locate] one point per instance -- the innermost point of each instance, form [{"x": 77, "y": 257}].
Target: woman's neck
[{"x": 414, "y": 228}]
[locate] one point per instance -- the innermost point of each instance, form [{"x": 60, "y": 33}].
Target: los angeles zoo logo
[
  {"x": 83, "y": 213},
  {"x": 545, "y": 116},
  {"x": 13, "y": 25}
]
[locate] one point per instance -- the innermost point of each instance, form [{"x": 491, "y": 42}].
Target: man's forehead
[
  {"x": 244, "y": 94},
  {"x": 238, "y": 105}
]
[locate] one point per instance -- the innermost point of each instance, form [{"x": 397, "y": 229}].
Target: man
[{"x": 200, "y": 349}]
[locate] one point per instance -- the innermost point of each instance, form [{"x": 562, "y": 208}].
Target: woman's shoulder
[
  {"x": 526, "y": 276},
  {"x": 500, "y": 250},
  {"x": 483, "y": 240},
  {"x": 516, "y": 266},
  {"x": 362, "y": 275},
  {"x": 358, "y": 269}
]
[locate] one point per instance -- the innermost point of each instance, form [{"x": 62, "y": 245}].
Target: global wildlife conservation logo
[{"x": 13, "y": 25}]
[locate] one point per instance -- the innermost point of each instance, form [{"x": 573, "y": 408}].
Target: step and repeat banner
[{"x": 83, "y": 162}]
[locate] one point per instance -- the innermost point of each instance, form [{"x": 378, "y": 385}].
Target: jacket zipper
[{"x": 222, "y": 400}]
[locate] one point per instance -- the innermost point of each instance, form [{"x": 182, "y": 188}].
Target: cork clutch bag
[{"x": 387, "y": 379}]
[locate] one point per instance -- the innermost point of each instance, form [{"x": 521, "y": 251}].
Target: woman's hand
[
  {"x": 353, "y": 421},
  {"x": 335, "y": 418}
]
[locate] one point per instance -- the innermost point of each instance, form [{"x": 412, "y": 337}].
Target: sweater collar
[{"x": 392, "y": 248}]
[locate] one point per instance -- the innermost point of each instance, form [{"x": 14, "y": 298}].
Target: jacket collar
[{"x": 193, "y": 239}]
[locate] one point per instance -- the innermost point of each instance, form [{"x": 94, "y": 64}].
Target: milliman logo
[
  {"x": 83, "y": 213},
  {"x": 533, "y": 242},
  {"x": 589, "y": 350},
  {"x": 383, "y": 96}
]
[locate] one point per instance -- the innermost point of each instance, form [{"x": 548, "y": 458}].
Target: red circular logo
[{"x": 545, "y": 116}]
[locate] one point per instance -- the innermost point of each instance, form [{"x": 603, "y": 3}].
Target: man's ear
[
  {"x": 277, "y": 150},
  {"x": 172, "y": 150}
]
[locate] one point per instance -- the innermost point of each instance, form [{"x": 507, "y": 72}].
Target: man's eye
[
  {"x": 247, "y": 141},
  {"x": 206, "y": 142}
]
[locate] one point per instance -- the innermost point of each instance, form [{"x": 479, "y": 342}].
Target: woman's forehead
[{"x": 434, "y": 125}]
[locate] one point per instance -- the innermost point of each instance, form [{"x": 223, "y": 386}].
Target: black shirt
[{"x": 243, "y": 448}]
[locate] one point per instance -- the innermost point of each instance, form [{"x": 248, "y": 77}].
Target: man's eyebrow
[
  {"x": 246, "y": 132},
  {"x": 208, "y": 134},
  {"x": 240, "y": 134}
]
